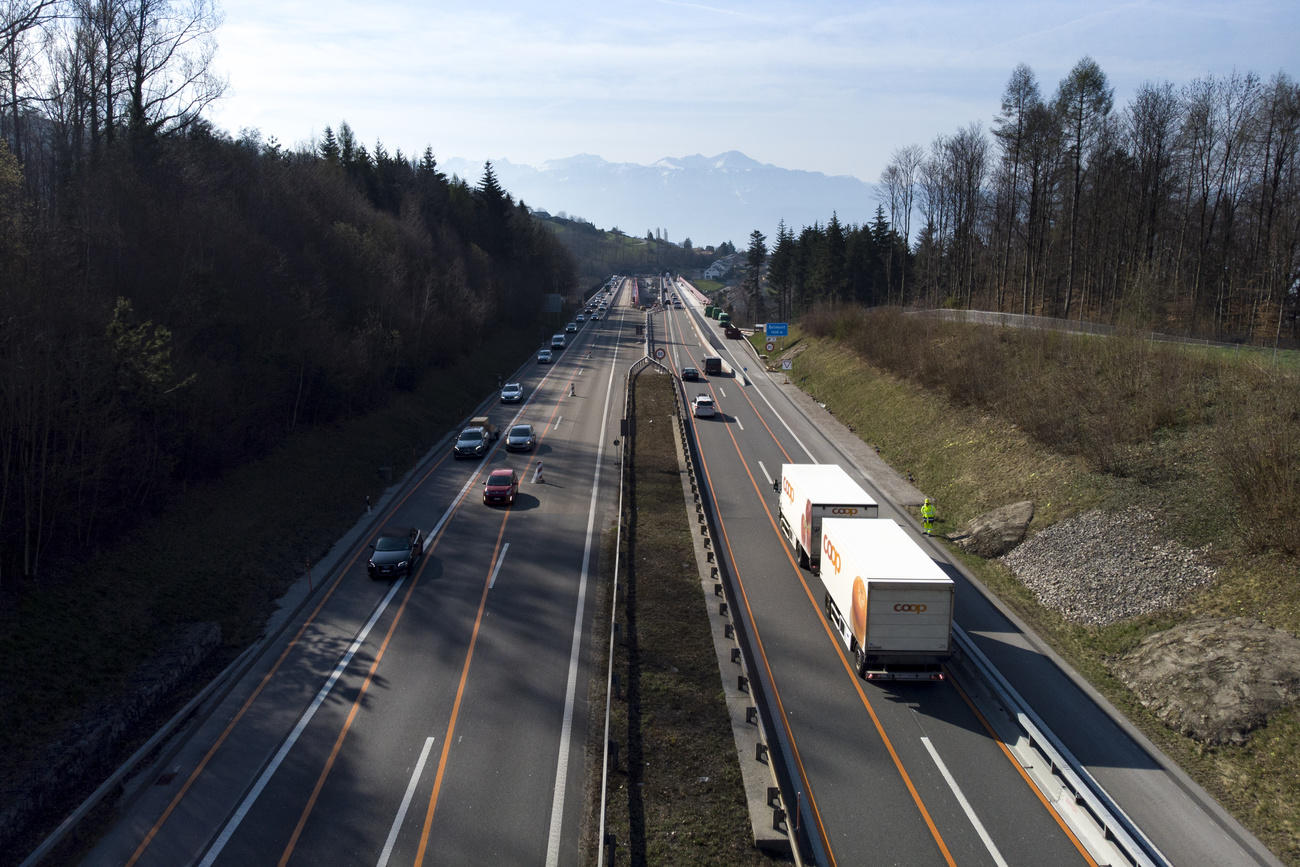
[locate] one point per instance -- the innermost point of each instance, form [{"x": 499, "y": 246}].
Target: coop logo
[
  {"x": 832, "y": 555},
  {"x": 789, "y": 489},
  {"x": 844, "y": 510},
  {"x": 910, "y": 607}
]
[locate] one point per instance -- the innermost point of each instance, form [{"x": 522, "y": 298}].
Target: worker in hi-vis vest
[{"x": 927, "y": 516}]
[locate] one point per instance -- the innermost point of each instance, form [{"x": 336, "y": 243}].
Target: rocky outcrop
[
  {"x": 995, "y": 533},
  {"x": 1215, "y": 680}
]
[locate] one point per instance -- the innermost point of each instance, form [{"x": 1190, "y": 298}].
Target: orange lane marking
[
  {"x": 347, "y": 723},
  {"x": 460, "y": 695},
  {"x": 1023, "y": 774},
  {"x": 758, "y": 640},
  {"x": 834, "y": 639},
  {"x": 356, "y": 705},
  {"x": 266, "y": 679}
]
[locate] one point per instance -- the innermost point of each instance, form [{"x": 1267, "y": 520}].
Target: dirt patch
[{"x": 1215, "y": 680}]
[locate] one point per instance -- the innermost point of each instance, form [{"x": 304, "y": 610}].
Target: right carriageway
[{"x": 902, "y": 772}]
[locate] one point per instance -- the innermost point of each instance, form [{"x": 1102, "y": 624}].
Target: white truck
[
  {"x": 812, "y": 492},
  {"x": 890, "y": 603}
]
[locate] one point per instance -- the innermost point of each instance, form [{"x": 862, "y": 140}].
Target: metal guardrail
[{"x": 1112, "y": 823}]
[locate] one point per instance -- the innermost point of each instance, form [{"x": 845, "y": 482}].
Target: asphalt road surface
[{"x": 438, "y": 718}]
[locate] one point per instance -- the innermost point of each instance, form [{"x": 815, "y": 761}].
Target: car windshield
[
  {"x": 472, "y": 434},
  {"x": 392, "y": 543},
  {"x": 499, "y": 477},
  {"x": 521, "y": 430},
  {"x": 703, "y": 400}
]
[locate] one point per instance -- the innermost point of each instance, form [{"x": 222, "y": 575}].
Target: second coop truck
[
  {"x": 889, "y": 602},
  {"x": 811, "y": 493}
]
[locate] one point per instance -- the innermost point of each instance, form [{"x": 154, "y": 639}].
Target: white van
[{"x": 557, "y": 341}]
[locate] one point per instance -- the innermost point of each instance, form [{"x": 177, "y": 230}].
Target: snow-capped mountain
[{"x": 707, "y": 199}]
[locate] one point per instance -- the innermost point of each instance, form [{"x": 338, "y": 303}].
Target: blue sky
[{"x": 822, "y": 86}]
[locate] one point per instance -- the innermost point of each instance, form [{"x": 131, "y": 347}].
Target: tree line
[
  {"x": 1179, "y": 212},
  {"x": 601, "y": 252},
  {"x": 175, "y": 301}
]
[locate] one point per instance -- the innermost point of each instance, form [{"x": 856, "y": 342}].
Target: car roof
[
  {"x": 523, "y": 424},
  {"x": 398, "y": 532},
  {"x": 512, "y": 385},
  {"x": 501, "y": 473}
]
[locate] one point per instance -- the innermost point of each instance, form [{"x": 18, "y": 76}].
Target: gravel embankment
[{"x": 1101, "y": 567}]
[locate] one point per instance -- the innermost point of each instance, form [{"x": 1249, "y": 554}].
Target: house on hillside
[{"x": 723, "y": 267}]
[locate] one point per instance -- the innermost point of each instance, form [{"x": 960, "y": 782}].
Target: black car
[
  {"x": 394, "y": 553},
  {"x": 690, "y": 374}
]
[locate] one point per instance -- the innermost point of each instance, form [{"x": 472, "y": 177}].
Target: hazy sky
[{"x": 834, "y": 87}]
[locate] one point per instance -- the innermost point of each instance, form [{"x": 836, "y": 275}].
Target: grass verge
[{"x": 675, "y": 790}]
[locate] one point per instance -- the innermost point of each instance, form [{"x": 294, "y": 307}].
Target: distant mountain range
[{"x": 706, "y": 199}]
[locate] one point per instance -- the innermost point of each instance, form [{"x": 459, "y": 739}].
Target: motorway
[
  {"x": 439, "y": 718},
  {"x": 896, "y": 773},
  {"x": 905, "y": 773}
]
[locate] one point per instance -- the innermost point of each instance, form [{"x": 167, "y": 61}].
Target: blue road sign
[{"x": 778, "y": 329}]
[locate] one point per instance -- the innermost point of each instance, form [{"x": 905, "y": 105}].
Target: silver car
[
  {"x": 512, "y": 392},
  {"x": 521, "y": 438}
]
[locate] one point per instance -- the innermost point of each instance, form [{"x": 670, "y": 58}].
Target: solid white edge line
[
  {"x": 246, "y": 804},
  {"x": 965, "y": 805},
  {"x": 497, "y": 568},
  {"x": 406, "y": 804},
  {"x": 766, "y": 474},
  {"x": 575, "y": 647},
  {"x": 738, "y": 424}
]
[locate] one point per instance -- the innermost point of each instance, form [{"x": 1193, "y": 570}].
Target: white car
[
  {"x": 544, "y": 356},
  {"x": 703, "y": 406}
]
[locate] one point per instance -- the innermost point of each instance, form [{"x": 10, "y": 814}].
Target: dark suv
[
  {"x": 394, "y": 553},
  {"x": 473, "y": 442}
]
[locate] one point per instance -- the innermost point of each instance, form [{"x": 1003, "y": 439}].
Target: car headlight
[
  {"x": 371, "y": 564},
  {"x": 403, "y": 564}
]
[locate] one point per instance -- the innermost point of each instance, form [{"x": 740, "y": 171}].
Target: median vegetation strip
[
  {"x": 982, "y": 417},
  {"x": 675, "y": 789}
]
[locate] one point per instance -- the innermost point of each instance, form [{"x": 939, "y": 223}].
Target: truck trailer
[
  {"x": 811, "y": 492},
  {"x": 890, "y": 603}
]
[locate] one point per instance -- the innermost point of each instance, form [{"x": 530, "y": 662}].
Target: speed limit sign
[
  {"x": 660, "y": 353},
  {"x": 770, "y": 346}
]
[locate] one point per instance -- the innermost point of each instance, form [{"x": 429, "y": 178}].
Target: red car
[{"x": 501, "y": 486}]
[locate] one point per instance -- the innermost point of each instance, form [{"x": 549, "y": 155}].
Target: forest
[
  {"x": 177, "y": 301},
  {"x": 1179, "y": 212}
]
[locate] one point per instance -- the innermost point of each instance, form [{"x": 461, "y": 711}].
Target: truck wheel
[
  {"x": 861, "y": 656},
  {"x": 803, "y": 557}
]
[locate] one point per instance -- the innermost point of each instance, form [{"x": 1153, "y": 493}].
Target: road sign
[
  {"x": 787, "y": 364},
  {"x": 777, "y": 329},
  {"x": 770, "y": 346},
  {"x": 660, "y": 353}
]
